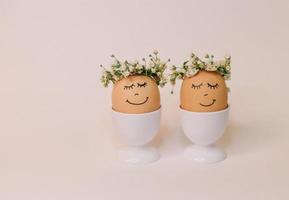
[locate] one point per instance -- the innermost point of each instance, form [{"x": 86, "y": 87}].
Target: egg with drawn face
[
  {"x": 135, "y": 94},
  {"x": 204, "y": 92}
]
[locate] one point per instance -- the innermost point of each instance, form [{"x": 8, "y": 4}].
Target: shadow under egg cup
[
  {"x": 204, "y": 129},
  {"x": 137, "y": 130}
]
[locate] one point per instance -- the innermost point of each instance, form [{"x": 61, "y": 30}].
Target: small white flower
[
  {"x": 138, "y": 66},
  {"x": 227, "y": 76},
  {"x": 155, "y": 52},
  {"x": 123, "y": 67},
  {"x": 126, "y": 73},
  {"x": 135, "y": 62},
  {"x": 116, "y": 78},
  {"x": 182, "y": 70},
  {"x": 228, "y": 67},
  {"x": 199, "y": 62},
  {"x": 191, "y": 72},
  {"x": 210, "y": 67},
  {"x": 227, "y": 56},
  {"x": 153, "y": 70},
  {"x": 163, "y": 82},
  {"x": 188, "y": 73},
  {"x": 131, "y": 68},
  {"x": 157, "y": 62}
]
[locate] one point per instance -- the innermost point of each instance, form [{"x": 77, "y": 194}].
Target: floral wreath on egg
[
  {"x": 192, "y": 66},
  {"x": 154, "y": 68}
]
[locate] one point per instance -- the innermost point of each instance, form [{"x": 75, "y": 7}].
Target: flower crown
[
  {"x": 192, "y": 66},
  {"x": 153, "y": 68}
]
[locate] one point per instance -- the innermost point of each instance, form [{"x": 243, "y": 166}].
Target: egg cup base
[
  {"x": 138, "y": 155},
  {"x": 205, "y": 154}
]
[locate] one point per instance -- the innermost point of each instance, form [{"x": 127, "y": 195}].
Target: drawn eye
[
  {"x": 142, "y": 85},
  {"x": 129, "y": 87},
  {"x": 213, "y": 86},
  {"x": 197, "y": 86}
]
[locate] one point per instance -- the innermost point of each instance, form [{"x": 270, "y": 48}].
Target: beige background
[{"x": 55, "y": 124}]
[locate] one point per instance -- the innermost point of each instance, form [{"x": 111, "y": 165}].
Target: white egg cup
[
  {"x": 204, "y": 129},
  {"x": 137, "y": 130}
]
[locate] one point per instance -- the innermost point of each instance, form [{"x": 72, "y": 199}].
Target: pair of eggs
[{"x": 204, "y": 92}]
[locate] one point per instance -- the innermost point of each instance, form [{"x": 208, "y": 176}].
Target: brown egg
[
  {"x": 204, "y": 92},
  {"x": 135, "y": 94}
]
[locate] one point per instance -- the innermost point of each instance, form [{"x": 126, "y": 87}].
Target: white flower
[
  {"x": 188, "y": 73},
  {"x": 227, "y": 76},
  {"x": 138, "y": 66},
  {"x": 131, "y": 68},
  {"x": 153, "y": 70},
  {"x": 228, "y": 67},
  {"x": 163, "y": 81},
  {"x": 123, "y": 67},
  {"x": 199, "y": 62},
  {"x": 191, "y": 72},
  {"x": 135, "y": 62},
  {"x": 182, "y": 70},
  {"x": 227, "y": 56},
  {"x": 155, "y": 52},
  {"x": 126, "y": 73},
  {"x": 151, "y": 64},
  {"x": 211, "y": 67},
  {"x": 157, "y": 62}
]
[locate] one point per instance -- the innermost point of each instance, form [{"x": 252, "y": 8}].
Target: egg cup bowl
[
  {"x": 136, "y": 131},
  {"x": 204, "y": 129}
]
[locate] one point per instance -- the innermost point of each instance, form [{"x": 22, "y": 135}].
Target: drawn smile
[
  {"x": 136, "y": 104},
  {"x": 208, "y": 105}
]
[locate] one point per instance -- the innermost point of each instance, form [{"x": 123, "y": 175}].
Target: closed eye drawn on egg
[
  {"x": 197, "y": 86},
  {"x": 128, "y": 87},
  {"x": 213, "y": 86},
  {"x": 142, "y": 84}
]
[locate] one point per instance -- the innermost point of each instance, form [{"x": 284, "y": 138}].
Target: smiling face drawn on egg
[
  {"x": 204, "y": 92},
  {"x": 135, "y": 94}
]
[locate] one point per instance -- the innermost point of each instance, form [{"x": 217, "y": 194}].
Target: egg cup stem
[
  {"x": 205, "y": 154},
  {"x": 138, "y": 155}
]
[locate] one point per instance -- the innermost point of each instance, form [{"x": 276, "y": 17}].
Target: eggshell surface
[
  {"x": 204, "y": 92},
  {"x": 135, "y": 94}
]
